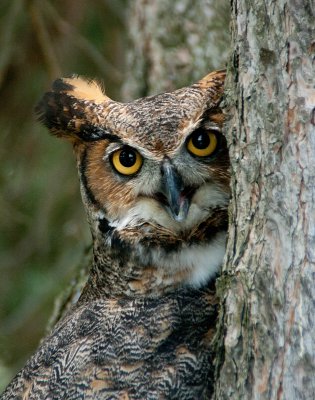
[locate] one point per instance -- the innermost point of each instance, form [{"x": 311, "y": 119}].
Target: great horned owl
[{"x": 155, "y": 183}]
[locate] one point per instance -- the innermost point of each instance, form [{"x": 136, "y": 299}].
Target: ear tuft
[
  {"x": 215, "y": 78},
  {"x": 212, "y": 85},
  {"x": 74, "y": 109},
  {"x": 82, "y": 88}
]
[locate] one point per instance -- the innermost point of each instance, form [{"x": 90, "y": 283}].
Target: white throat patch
[{"x": 201, "y": 261}]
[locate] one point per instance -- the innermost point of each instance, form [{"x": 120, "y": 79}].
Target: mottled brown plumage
[{"x": 155, "y": 184}]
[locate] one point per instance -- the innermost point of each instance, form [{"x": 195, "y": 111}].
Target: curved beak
[{"x": 173, "y": 189}]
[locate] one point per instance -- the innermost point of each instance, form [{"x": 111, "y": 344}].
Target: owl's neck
[
  {"x": 125, "y": 265},
  {"x": 119, "y": 274}
]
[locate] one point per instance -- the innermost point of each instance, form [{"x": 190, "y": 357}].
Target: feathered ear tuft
[
  {"x": 212, "y": 85},
  {"x": 81, "y": 88},
  {"x": 74, "y": 109}
]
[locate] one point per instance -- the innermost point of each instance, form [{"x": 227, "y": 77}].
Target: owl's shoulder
[{"x": 116, "y": 345}]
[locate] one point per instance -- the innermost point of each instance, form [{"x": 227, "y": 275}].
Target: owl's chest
[
  {"x": 152, "y": 349},
  {"x": 141, "y": 349}
]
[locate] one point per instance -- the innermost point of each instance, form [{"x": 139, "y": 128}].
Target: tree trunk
[
  {"x": 267, "y": 288},
  {"x": 174, "y": 43}
]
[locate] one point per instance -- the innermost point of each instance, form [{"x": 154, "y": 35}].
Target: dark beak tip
[{"x": 173, "y": 188}]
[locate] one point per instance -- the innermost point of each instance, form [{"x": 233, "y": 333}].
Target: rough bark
[
  {"x": 268, "y": 295},
  {"x": 174, "y": 43}
]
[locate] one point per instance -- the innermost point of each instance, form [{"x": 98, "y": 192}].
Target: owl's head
[{"x": 154, "y": 172}]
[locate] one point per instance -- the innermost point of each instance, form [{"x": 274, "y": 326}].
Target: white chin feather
[
  {"x": 206, "y": 260},
  {"x": 202, "y": 261}
]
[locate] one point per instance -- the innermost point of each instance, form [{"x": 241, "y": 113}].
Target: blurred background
[{"x": 136, "y": 48}]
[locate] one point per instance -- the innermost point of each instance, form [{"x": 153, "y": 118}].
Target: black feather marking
[
  {"x": 92, "y": 133},
  {"x": 84, "y": 182},
  {"x": 51, "y": 111},
  {"x": 104, "y": 226},
  {"x": 59, "y": 85},
  {"x": 118, "y": 244}
]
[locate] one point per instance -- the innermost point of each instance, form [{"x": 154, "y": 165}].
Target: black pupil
[
  {"x": 201, "y": 140},
  {"x": 127, "y": 158}
]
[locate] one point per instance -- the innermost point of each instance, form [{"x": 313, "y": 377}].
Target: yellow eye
[
  {"x": 127, "y": 161},
  {"x": 202, "y": 143}
]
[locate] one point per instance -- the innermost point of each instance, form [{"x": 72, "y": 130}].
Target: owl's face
[
  {"x": 167, "y": 171},
  {"x": 154, "y": 172}
]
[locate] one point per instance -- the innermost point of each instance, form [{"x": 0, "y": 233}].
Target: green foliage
[{"x": 43, "y": 231}]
